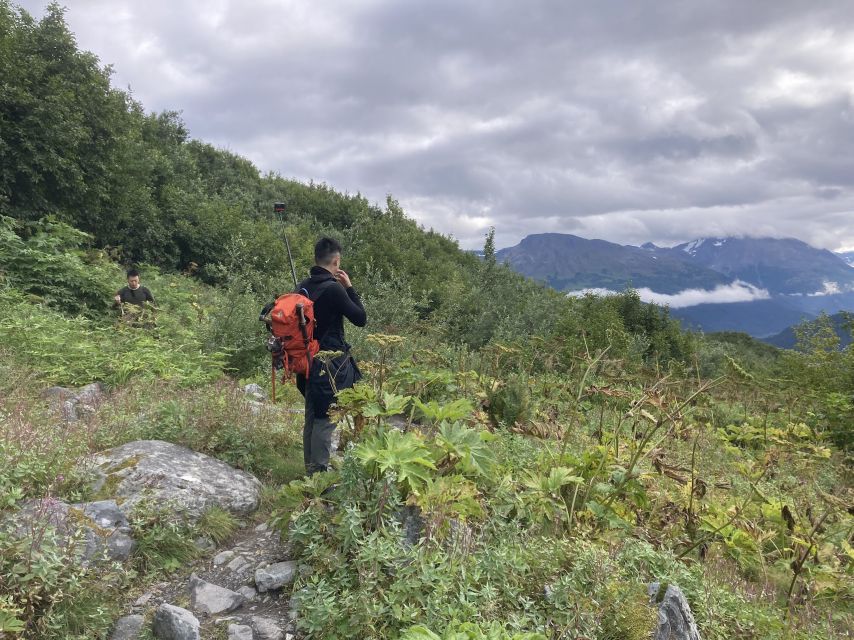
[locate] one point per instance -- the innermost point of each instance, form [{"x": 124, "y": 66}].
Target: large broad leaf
[
  {"x": 404, "y": 454},
  {"x": 435, "y": 412},
  {"x": 466, "y": 450},
  {"x": 557, "y": 478}
]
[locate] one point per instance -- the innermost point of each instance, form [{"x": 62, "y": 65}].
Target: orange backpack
[{"x": 292, "y": 323}]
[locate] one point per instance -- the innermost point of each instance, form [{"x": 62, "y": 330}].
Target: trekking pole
[
  {"x": 303, "y": 324},
  {"x": 273, "y": 377}
]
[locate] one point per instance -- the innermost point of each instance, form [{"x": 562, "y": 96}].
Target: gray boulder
[
  {"x": 223, "y": 557},
  {"x": 275, "y": 576},
  {"x": 55, "y": 395},
  {"x": 267, "y": 628},
  {"x": 211, "y": 599},
  {"x": 91, "y": 395},
  {"x": 255, "y": 391},
  {"x": 94, "y": 528},
  {"x": 240, "y": 565},
  {"x": 72, "y": 404},
  {"x": 111, "y": 523},
  {"x": 128, "y": 628},
  {"x": 240, "y": 632},
  {"x": 175, "y": 623},
  {"x": 248, "y": 592},
  {"x": 675, "y": 620},
  {"x": 188, "y": 482},
  {"x": 412, "y": 525}
]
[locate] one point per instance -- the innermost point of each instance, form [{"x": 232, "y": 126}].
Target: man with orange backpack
[{"x": 329, "y": 288}]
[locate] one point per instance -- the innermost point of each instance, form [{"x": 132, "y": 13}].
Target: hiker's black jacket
[
  {"x": 135, "y": 296},
  {"x": 332, "y": 303}
]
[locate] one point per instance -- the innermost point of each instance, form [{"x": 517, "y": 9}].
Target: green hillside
[{"x": 556, "y": 455}]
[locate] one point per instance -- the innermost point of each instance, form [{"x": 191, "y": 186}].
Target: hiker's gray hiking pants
[{"x": 316, "y": 438}]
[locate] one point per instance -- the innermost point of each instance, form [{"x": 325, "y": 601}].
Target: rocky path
[{"x": 239, "y": 593}]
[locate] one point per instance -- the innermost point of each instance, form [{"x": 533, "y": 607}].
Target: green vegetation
[
  {"x": 556, "y": 524},
  {"x": 551, "y": 456}
]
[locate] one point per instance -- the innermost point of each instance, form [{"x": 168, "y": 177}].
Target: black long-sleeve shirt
[
  {"x": 334, "y": 304},
  {"x": 135, "y": 296}
]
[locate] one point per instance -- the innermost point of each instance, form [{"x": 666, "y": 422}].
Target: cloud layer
[
  {"x": 620, "y": 120},
  {"x": 734, "y": 292}
]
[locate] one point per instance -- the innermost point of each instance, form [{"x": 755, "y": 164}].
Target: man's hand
[
  {"x": 342, "y": 277},
  {"x": 117, "y": 298}
]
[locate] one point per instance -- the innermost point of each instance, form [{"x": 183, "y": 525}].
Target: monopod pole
[
  {"x": 279, "y": 209},
  {"x": 291, "y": 259}
]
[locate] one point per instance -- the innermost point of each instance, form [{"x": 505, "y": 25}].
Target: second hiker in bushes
[
  {"x": 134, "y": 293},
  {"x": 334, "y": 297}
]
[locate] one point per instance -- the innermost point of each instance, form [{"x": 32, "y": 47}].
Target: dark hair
[
  {"x": 325, "y": 250},
  {"x": 132, "y": 273}
]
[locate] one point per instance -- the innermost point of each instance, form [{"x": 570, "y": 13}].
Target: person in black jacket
[
  {"x": 134, "y": 293},
  {"x": 334, "y": 297}
]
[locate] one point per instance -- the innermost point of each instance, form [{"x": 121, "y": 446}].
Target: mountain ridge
[{"x": 760, "y": 285}]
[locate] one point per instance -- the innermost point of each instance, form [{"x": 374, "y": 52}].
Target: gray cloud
[
  {"x": 621, "y": 120},
  {"x": 725, "y": 293}
]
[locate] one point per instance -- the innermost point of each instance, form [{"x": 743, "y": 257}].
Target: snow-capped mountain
[{"x": 759, "y": 285}]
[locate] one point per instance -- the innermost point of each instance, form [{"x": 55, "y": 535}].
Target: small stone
[
  {"x": 397, "y": 421},
  {"x": 275, "y": 576},
  {"x": 240, "y": 632},
  {"x": 267, "y": 628},
  {"x": 142, "y": 600},
  {"x": 128, "y": 628},
  {"x": 239, "y": 565},
  {"x": 204, "y": 544},
  {"x": 175, "y": 623},
  {"x": 261, "y": 528},
  {"x": 222, "y": 558},
  {"x": 248, "y": 592},
  {"x": 211, "y": 599}
]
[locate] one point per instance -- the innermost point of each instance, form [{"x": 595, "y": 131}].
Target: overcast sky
[{"x": 629, "y": 120}]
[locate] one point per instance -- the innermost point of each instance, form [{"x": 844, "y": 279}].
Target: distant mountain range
[
  {"x": 756, "y": 285},
  {"x": 787, "y": 339},
  {"x": 570, "y": 263}
]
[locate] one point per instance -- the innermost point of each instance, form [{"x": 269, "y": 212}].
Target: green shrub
[
  {"x": 510, "y": 402},
  {"x": 217, "y": 524},
  {"x": 46, "y": 593},
  {"x": 163, "y": 544},
  {"x": 76, "y": 350},
  {"x": 44, "y": 259}
]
